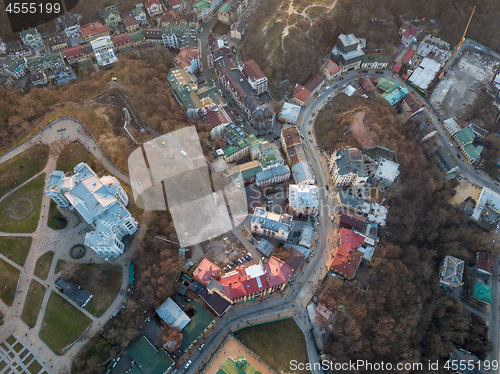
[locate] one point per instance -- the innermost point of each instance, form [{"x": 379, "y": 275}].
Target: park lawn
[
  {"x": 32, "y": 191},
  {"x": 95, "y": 355},
  {"x": 43, "y": 265},
  {"x": 103, "y": 281},
  {"x": 62, "y": 323},
  {"x": 15, "y": 248},
  {"x": 276, "y": 343},
  {"x": 73, "y": 154},
  {"x": 55, "y": 213},
  {"x": 33, "y": 303},
  {"x": 22, "y": 167},
  {"x": 9, "y": 277}
]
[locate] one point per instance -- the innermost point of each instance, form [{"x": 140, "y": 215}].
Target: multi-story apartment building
[
  {"x": 254, "y": 76},
  {"x": 347, "y": 168},
  {"x": 271, "y": 224},
  {"x": 101, "y": 202},
  {"x": 104, "y": 51},
  {"x": 153, "y": 8},
  {"x": 70, "y": 24},
  {"x": 385, "y": 172},
  {"x": 303, "y": 199},
  {"x": 31, "y": 38},
  {"x": 348, "y": 52},
  {"x": 94, "y": 30},
  {"x": 188, "y": 58}
]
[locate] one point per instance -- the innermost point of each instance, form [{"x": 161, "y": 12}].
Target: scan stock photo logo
[
  {"x": 171, "y": 171},
  {"x": 24, "y": 15}
]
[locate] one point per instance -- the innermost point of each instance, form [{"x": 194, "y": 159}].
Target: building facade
[
  {"x": 31, "y": 38},
  {"x": 347, "y": 168},
  {"x": 101, "y": 202},
  {"x": 271, "y": 224}
]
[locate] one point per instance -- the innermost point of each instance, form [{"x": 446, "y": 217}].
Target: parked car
[
  {"x": 310, "y": 140},
  {"x": 251, "y": 241},
  {"x": 188, "y": 364},
  {"x": 250, "y": 255},
  {"x": 459, "y": 156},
  {"x": 201, "y": 347},
  {"x": 379, "y": 72}
]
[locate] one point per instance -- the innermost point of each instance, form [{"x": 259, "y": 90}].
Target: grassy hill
[{"x": 290, "y": 38}]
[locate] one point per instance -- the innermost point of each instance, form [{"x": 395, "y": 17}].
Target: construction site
[{"x": 460, "y": 85}]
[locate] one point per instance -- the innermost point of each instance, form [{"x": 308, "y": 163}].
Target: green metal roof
[
  {"x": 379, "y": 59},
  {"x": 239, "y": 366},
  {"x": 148, "y": 359},
  {"x": 482, "y": 292},
  {"x": 48, "y": 61},
  {"x": 184, "y": 94},
  {"x": 199, "y": 322},
  {"x": 201, "y": 6},
  {"x": 225, "y": 8},
  {"x": 136, "y": 36},
  {"x": 386, "y": 85},
  {"x": 466, "y": 136},
  {"x": 473, "y": 152},
  {"x": 242, "y": 143},
  {"x": 15, "y": 65},
  {"x": 137, "y": 11}
]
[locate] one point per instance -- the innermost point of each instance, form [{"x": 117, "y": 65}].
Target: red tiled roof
[
  {"x": 149, "y": 3},
  {"x": 174, "y": 3},
  {"x": 413, "y": 102},
  {"x": 185, "y": 56},
  {"x": 332, "y": 67},
  {"x": 406, "y": 34},
  {"x": 206, "y": 271},
  {"x": 485, "y": 261},
  {"x": 121, "y": 39},
  {"x": 93, "y": 28},
  {"x": 405, "y": 76},
  {"x": 291, "y": 135},
  {"x": 348, "y": 258},
  {"x": 251, "y": 69},
  {"x": 277, "y": 271},
  {"x": 73, "y": 52},
  {"x": 313, "y": 82},
  {"x": 408, "y": 55},
  {"x": 412, "y": 30},
  {"x": 301, "y": 93},
  {"x": 212, "y": 118},
  {"x": 397, "y": 67}
]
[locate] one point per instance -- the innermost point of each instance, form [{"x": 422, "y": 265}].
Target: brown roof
[
  {"x": 301, "y": 93},
  {"x": 56, "y": 40},
  {"x": 206, "y": 271},
  {"x": 352, "y": 220},
  {"x": 251, "y": 69},
  {"x": 413, "y": 102},
  {"x": 332, "y": 67},
  {"x": 129, "y": 21},
  {"x": 170, "y": 16},
  {"x": 291, "y": 135},
  {"x": 93, "y": 28},
  {"x": 313, "y": 82},
  {"x": 186, "y": 56},
  {"x": 71, "y": 53},
  {"x": 485, "y": 262},
  {"x": 121, "y": 39},
  {"x": 367, "y": 84},
  {"x": 148, "y": 3}
]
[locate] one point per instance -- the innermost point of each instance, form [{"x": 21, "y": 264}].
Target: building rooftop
[
  {"x": 331, "y": 67},
  {"x": 148, "y": 359},
  {"x": 387, "y": 170},
  {"x": 485, "y": 261},
  {"x": 225, "y": 8},
  {"x": 265, "y": 247},
  {"x": 350, "y": 220},
  {"x": 272, "y": 172},
  {"x": 350, "y": 160},
  {"x": 217, "y": 303},
  {"x": 303, "y": 195},
  {"x": 206, "y": 271},
  {"x": 272, "y": 221},
  {"x": 199, "y": 322},
  {"x": 184, "y": 86},
  {"x": 452, "y": 126},
  {"x": 413, "y": 102},
  {"x": 170, "y": 312},
  {"x": 93, "y": 28},
  {"x": 452, "y": 271},
  {"x": 290, "y": 112},
  {"x": 314, "y": 82},
  {"x": 487, "y": 199},
  {"x": 424, "y": 74},
  {"x": 252, "y": 70},
  {"x": 301, "y": 93},
  {"x": 348, "y": 258},
  {"x": 302, "y": 172}
]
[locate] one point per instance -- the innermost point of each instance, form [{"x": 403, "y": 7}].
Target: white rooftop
[
  {"x": 255, "y": 270},
  {"x": 306, "y": 236},
  {"x": 290, "y": 112},
  {"x": 303, "y": 195},
  {"x": 489, "y": 197},
  {"x": 349, "y": 90},
  {"x": 376, "y": 213},
  {"x": 170, "y": 312},
  {"x": 425, "y": 73},
  {"x": 387, "y": 170},
  {"x": 302, "y": 172},
  {"x": 452, "y": 126}
]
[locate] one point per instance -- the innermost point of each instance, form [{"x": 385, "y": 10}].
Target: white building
[
  {"x": 255, "y": 77},
  {"x": 303, "y": 199},
  {"x": 487, "y": 199},
  {"x": 452, "y": 272},
  {"x": 451, "y": 126},
  {"x": 101, "y": 202},
  {"x": 424, "y": 74},
  {"x": 302, "y": 173},
  {"x": 173, "y": 316},
  {"x": 306, "y": 237},
  {"x": 385, "y": 172},
  {"x": 289, "y": 113},
  {"x": 104, "y": 51},
  {"x": 3, "y": 47},
  {"x": 347, "y": 167},
  {"x": 271, "y": 224}
]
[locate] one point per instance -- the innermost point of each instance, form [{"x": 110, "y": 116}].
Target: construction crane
[{"x": 458, "y": 45}]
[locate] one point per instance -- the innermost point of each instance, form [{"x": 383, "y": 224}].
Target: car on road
[
  {"x": 270, "y": 202},
  {"x": 310, "y": 140},
  {"x": 201, "y": 347},
  {"x": 379, "y": 72},
  {"x": 251, "y": 241},
  {"x": 318, "y": 96},
  {"x": 188, "y": 364},
  {"x": 310, "y": 121},
  {"x": 327, "y": 87},
  {"x": 459, "y": 156},
  {"x": 250, "y": 255},
  {"x": 309, "y": 132}
]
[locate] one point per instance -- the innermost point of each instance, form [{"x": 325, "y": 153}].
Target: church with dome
[{"x": 101, "y": 202}]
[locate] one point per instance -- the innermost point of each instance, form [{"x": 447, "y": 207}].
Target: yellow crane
[{"x": 458, "y": 45}]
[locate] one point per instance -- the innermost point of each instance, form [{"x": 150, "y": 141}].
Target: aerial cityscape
[{"x": 249, "y": 186}]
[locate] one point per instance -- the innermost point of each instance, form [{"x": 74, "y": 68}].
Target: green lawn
[
  {"x": 103, "y": 281},
  {"x": 33, "y": 303},
  {"x": 15, "y": 248},
  {"x": 9, "y": 276},
  {"x": 73, "y": 154},
  {"x": 43, "y": 265},
  {"x": 62, "y": 323},
  {"x": 55, "y": 216},
  {"x": 276, "y": 343},
  {"x": 23, "y": 204},
  {"x": 22, "y": 167}
]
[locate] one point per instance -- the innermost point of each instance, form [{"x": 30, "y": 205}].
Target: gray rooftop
[{"x": 350, "y": 160}]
